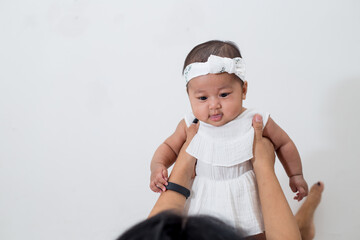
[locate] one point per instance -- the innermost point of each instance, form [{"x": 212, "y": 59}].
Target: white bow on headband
[{"x": 215, "y": 64}]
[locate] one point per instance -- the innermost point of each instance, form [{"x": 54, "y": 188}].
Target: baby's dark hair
[{"x": 202, "y": 52}]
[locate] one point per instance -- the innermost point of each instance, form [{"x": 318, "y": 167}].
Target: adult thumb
[
  {"x": 193, "y": 128},
  {"x": 257, "y": 123}
]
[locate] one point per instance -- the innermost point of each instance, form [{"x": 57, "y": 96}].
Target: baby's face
[{"x": 216, "y": 99}]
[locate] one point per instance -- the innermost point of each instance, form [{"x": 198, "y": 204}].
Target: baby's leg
[{"x": 305, "y": 215}]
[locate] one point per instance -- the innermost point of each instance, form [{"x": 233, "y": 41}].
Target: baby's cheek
[
  {"x": 202, "y": 116},
  {"x": 199, "y": 111},
  {"x": 234, "y": 112}
]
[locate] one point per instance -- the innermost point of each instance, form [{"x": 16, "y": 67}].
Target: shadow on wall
[{"x": 338, "y": 165}]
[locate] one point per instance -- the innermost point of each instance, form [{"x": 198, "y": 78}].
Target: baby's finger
[
  {"x": 165, "y": 176},
  {"x": 301, "y": 193},
  {"x": 306, "y": 188},
  {"x": 297, "y": 196},
  {"x": 154, "y": 188},
  {"x": 160, "y": 180},
  {"x": 161, "y": 183},
  {"x": 161, "y": 187},
  {"x": 293, "y": 188}
]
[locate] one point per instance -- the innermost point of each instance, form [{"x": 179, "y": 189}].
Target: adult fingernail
[
  {"x": 195, "y": 120},
  {"x": 258, "y": 118}
]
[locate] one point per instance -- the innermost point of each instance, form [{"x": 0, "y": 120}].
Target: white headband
[{"x": 215, "y": 64}]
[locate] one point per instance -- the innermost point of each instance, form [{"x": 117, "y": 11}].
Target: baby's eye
[
  {"x": 224, "y": 94},
  {"x": 203, "y": 98}
]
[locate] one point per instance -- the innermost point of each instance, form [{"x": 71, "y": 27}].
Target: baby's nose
[{"x": 215, "y": 104}]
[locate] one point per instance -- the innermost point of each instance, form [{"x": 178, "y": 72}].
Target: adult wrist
[{"x": 178, "y": 188}]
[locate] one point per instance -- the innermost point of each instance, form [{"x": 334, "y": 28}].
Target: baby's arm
[
  {"x": 165, "y": 155},
  {"x": 288, "y": 156}
]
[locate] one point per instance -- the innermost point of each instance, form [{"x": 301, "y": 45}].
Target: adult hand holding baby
[
  {"x": 264, "y": 155},
  {"x": 278, "y": 218},
  {"x": 182, "y": 174}
]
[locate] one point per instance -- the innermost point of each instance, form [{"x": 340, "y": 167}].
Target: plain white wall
[{"x": 89, "y": 89}]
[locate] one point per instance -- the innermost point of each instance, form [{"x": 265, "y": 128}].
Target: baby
[{"x": 225, "y": 184}]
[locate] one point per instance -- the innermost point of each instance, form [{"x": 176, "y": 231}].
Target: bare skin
[{"x": 305, "y": 215}]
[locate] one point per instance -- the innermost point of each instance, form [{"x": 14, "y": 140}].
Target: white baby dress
[{"x": 225, "y": 185}]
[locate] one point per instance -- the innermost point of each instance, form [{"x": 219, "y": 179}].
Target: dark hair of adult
[
  {"x": 169, "y": 225},
  {"x": 202, "y": 52}
]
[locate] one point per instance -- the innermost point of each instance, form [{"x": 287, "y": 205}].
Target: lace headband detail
[{"x": 215, "y": 64}]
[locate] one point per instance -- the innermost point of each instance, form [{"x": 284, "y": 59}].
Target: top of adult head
[
  {"x": 202, "y": 52},
  {"x": 169, "y": 225}
]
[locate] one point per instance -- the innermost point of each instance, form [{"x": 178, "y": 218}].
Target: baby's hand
[
  {"x": 159, "y": 178},
  {"x": 299, "y": 185}
]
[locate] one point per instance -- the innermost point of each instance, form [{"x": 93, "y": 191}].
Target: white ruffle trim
[
  {"x": 226, "y": 145},
  {"x": 218, "y": 152}
]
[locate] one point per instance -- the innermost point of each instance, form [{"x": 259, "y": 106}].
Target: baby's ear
[{"x": 244, "y": 90}]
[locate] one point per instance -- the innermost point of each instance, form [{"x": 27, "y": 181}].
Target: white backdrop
[{"x": 89, "y": 89}]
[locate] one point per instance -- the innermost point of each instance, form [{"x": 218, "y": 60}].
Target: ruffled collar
[{"x": 225, "y": 145}]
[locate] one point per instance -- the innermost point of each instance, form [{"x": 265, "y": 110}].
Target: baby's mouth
[{"x": 216, "y": 117}]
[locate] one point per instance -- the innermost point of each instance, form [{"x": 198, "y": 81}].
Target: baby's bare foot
[{"x": 305, "y": 215}]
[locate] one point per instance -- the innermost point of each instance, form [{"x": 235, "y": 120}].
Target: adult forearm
[
  {"x": 183, "y": 170},
  {"x": 182, "y": 174},
  {"x": 278, "y": 218}
]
